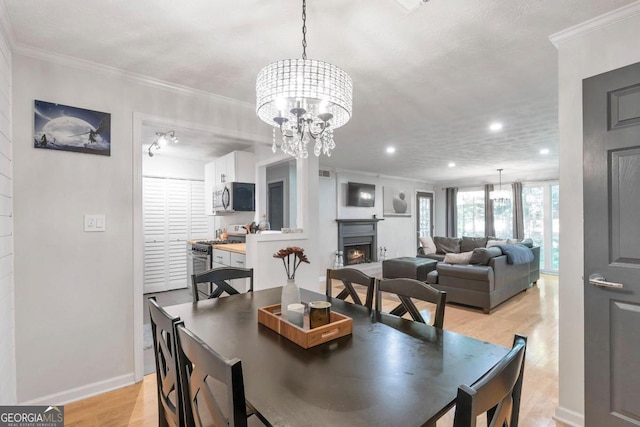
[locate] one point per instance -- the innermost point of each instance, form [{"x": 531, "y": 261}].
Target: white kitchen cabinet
[
  {"x": 220, "y": 257},
  {"x": 237, "y": 166}
]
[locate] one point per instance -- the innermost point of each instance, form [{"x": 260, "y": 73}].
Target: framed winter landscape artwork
[
  {"x": 66, "y": 128},
  {"x": 396, "y": 202}
]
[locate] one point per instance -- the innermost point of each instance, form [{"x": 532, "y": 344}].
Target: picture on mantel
[
  {"x": 396, "y": 202},
  {"x": 65, "y": 128}
]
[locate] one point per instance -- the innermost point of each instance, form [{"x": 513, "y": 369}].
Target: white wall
[
  {"x": 74, "y": 301},
  {"x": 7, "y": 313},
  {"x": 171, "y": 167},
  {"x": 585, "y": 55},
  {"x": 397, "y": 234}
]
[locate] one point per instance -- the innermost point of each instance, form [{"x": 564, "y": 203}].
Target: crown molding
[
  {"x": 82, "y": 64},
  {"x": 595, "y": 24}
]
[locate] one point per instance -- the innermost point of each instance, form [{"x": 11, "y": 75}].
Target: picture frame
[
  {"x": 396, "y": 202},
  {"x": 66, "y": 128}
]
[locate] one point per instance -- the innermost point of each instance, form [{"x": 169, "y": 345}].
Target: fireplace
[
  {"x": 358, "y": 240},
  {"x": 357, "y": 254}
]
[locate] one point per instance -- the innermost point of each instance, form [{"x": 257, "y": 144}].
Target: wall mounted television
[{"x": 362, "y": 195}]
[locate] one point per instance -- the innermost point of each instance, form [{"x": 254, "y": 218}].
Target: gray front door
[{"x": 612, "y": 247}]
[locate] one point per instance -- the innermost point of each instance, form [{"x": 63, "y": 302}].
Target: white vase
[{"x": 290, "y": 295}]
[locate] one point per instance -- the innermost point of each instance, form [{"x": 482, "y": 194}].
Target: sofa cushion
[
  {"x": 470, "y": 243},
  {"x": 482, "y": 256},
  {"x": 495, "y": 242},
  {"x": 461, "y": 258},
  {"x": 445, "y": 245},
  {"x": 427, "y": 244}
]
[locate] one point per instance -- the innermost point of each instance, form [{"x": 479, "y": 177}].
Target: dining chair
[
  {"x": 202, "y": 371},
  {"x": 349, "y": 276},
  {"x": 406, "y": 289},
  {"x": 219, "y": 277},
  {"x": 163, "y": 328},
  {"x": 497, "y": 393}
]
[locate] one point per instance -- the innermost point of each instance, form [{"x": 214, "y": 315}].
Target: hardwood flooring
[{"x": 533, "y": 313}]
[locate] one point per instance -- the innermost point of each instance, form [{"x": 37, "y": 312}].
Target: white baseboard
[
  {"x": 569, "y": 417},
  {"x": 82, "y": 392}
]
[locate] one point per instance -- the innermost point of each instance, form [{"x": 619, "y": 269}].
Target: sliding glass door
[
  {"x": 424, "y": 203},
  {"x": 541, "y": 212}
]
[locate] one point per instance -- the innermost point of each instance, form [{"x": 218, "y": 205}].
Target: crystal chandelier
[
  {"x": 500, "y": 196},
  {"x": 306, "y": 99}
]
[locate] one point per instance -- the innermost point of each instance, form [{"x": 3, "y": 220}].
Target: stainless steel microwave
[{"x": 234, "y": 197}]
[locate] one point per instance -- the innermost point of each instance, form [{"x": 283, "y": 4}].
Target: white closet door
[
  {"x": 154, "y": 215},
  {"x": 197, "y": 216},
  {"x": 173, "y": 213}
]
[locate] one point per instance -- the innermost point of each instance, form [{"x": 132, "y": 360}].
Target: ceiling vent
[
  {"x": 410, "y": 5},
  {"x": 324, "y": 173}
]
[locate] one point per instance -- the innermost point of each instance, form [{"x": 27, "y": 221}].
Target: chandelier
[
  {"x": 500, "y": 196},
  {"x": 305, "y": 99},
  {"x": 163, "y": 138}
]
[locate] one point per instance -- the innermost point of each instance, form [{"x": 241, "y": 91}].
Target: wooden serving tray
[{"x": 340, "y": 326}]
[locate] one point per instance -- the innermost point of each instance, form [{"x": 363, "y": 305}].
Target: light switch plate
[{"x": 95, "y": 222}]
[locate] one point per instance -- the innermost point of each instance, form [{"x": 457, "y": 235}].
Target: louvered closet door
[
  {"x": 173, "y": 213},
  {"x": 154, "y": 197}
]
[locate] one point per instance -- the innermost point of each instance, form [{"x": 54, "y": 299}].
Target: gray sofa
[{"x": 487, "y": 280}]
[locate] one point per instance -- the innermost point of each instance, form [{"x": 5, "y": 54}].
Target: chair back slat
[
  {"x": 163, "y": 329},
  {"x": 219, "y": 277},
  {"x": 497, "y": 393},
  {"x": 199, "y": 362},
  {"x": 349, "y": 276},
  {"x": 408, "y": 289}
]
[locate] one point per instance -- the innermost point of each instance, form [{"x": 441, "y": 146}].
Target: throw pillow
[
  {"x": 470, "y": 243},
  {"x": 445, "y": 245},
  {"x": 496, "y": 242},
  {"x": 427, "y": 244},
  {"x": 459, "y": 258},
  {"x": 482, "y": 256}
]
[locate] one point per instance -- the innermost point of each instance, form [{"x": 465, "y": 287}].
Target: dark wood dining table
[{"x": 389, "y": 371}]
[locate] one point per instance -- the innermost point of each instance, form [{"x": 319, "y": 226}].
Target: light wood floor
[{"x": 533, "y": 313}]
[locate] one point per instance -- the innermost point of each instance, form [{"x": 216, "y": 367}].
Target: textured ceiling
[{"x": 427, "y": 81}]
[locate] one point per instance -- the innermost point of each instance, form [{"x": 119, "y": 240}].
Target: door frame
[
  {"x": 139, "y": 120},
  {"x": 432, "y": 196}
]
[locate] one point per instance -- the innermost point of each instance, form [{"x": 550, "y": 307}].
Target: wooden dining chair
[
  {"x": 200, "y": 368},
  {"x": 497, "y": 393},
  {"x": 163, "y": 328},
  {"x": 219, "y": 277},
  {"x": 406, "y": 289},
  {"x": 349, "y": 276}
]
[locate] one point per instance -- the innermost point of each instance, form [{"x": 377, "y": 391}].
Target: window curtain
[
  {"x": 452, "y": 210},
  {"x": 489, "y": 225},
  {"x": 518, "y": 211}
]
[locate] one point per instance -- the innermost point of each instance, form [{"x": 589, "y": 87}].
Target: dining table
[{"x": 388, "y": 371}]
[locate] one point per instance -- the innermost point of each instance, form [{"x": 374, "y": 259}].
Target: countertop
[{"x": 239, "y": 248}]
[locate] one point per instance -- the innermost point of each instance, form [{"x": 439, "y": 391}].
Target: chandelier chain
[{"x": 304, "y": 29}]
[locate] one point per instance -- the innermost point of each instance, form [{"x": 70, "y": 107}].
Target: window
[
  {"x": 541, "y": 212},
  {"x": 503, "y": 218},
  {"x": 470, "y": 204}
]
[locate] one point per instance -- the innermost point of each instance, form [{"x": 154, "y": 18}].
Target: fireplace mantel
[{"x": 358, "y": 232}]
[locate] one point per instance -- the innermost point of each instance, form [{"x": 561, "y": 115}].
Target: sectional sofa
[{"x": 476, "y": 271}]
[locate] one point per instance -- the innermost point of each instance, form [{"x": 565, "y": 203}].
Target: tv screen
[{"x": 363, "y": 195}]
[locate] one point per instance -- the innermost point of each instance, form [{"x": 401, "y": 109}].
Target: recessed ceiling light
[
  {"x": 391, "y": 150},
  {"x": 452, "y": 165},
  {"x": 544, "y": 151},
  {"x": 495, "y": 126}
]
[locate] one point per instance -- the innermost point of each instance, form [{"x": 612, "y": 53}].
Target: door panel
[{"x": 612, "y": 247}]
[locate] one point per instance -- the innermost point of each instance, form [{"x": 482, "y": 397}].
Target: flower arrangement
[{"x": 291, "y": 265}]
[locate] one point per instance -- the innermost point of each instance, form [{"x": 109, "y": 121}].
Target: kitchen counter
[{"x": 239, "y": 248}]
